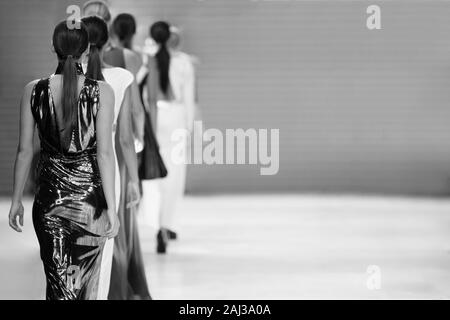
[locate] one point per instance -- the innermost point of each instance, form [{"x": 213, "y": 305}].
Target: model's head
[
  {"x": 97, "y": 31},
  {"x": 160, "y": 32},
  {"x": 124, "y": 27},
  {"x": 97, "y": 8},
  {"x": 98, "y": 37},
  {"x": 69, "y": 44}
]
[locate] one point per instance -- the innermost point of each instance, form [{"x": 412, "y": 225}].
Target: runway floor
[{"x": 276, "y": 247}]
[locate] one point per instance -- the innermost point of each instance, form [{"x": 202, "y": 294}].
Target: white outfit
[
  {"x": 172, "y": 115},
  {"x": 119, "y": 79}
]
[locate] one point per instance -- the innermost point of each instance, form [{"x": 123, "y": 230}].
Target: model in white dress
[
  {"x": 174, "y": 110},
  {"x": 171, "y": 116},
  {"x": 120, "y": 80}
]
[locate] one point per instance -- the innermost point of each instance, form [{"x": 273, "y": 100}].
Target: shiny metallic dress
[{"x": 69, "y": 203}]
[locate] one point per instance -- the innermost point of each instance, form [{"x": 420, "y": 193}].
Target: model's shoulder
[
  {"x": 132, "y": 55},
  {"x": 31, "y": 85}
]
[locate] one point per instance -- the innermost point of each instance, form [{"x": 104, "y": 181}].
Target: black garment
[
  {"x": 150, "y": 162},
  {"x": 151, "y": 165},
  {"x": 69, "y": 203}
]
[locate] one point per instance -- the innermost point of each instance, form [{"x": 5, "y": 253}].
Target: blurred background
[
  {"x": 364, "y": 169},
  {"x": 358, "y": 110}
]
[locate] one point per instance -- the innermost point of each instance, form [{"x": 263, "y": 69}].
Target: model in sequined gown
[{"x": 70, "y": 209}]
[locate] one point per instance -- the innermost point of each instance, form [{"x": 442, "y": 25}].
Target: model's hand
[
  {"x": 133, "y": 194},
  {"x": 15, "y": 212},
  {"x": 113, "y": 227},
  {"x": 138, "y": 145}
]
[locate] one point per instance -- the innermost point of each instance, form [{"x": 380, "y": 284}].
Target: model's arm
[
  {"x": 24, "y": 157},
  {"x": 105, "y": 153},
  {"x": 126, "y": 141},
  {"x": 137, "y": 111},
  {"x": 133, "y": 63}
]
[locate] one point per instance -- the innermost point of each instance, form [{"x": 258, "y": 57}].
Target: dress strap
[
  {"x": 39, "y": 89},
  {"x": 94, "y": 91}
]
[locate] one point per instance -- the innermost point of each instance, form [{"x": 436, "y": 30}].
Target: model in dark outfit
[
  {"x": 151, "y": 164},
  {"x": 69, "y": 204}
]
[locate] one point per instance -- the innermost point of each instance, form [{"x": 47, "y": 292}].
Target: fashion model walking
[{"x": 74, "y": 208}]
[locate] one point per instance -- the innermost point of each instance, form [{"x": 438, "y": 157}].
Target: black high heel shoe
[{"x": 162, "y": 239}]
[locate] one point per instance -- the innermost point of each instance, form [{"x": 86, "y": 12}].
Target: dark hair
[
  {"x": 160, "y": 32},
  {"x": 69, "y": 45},
  {"x": 98, "y": 36},
  {"x": 124, "y": 27}
]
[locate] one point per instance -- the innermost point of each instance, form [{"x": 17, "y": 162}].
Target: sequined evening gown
[{"x": 68, "y": 210}]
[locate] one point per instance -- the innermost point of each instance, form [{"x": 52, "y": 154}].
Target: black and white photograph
[{"x": 224, "y": 150}]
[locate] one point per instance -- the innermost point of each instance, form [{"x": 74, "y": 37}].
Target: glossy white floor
[{"x": 276, "y": 247}]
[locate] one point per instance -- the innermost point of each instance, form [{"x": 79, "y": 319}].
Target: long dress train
[
  {"x": 119, "y": 79},
  {"x": 128, "y": 281}
]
